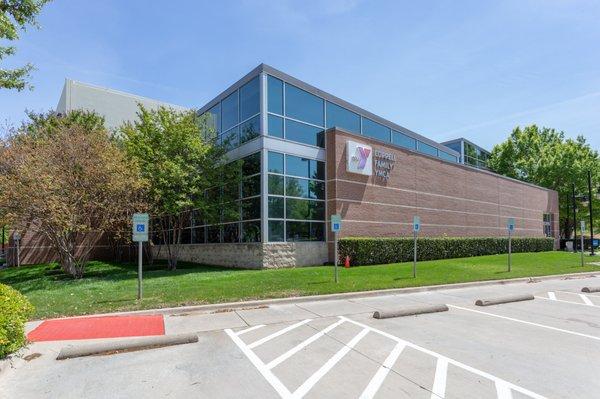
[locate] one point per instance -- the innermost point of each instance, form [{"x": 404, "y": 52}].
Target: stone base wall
[{"x": 252, "y": 256}]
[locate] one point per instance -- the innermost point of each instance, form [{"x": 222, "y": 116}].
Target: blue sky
[{"x": 441, "y": 68}]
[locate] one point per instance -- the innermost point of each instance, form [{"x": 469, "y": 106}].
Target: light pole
[
  {"x": 574, "y": 221},
  {"x": 590, "y": 199}
]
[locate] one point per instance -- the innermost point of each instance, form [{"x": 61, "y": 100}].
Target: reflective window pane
[
  {"x": 230, "y": 138},
  {"x": 376, "y": 130},
  {"x": 251, "y": 231},
  {"x": 304, "y": 167},
  {"x": 249, "y": 99},
  {"x": 251, "y": 208},
  {"x": 276, "y": 184},
  {"x": 231, "y": 232},
  {"x": 213, "y": 122},
  {"x": 275, "y": 126},
  {"x": 251, "y": 186},
  {"x": 276, "y": 207},
  {"x": 341, "y": 117},
  {"x": 304, "y": 133},
  {"x": 213, "y": 234},
  {"x": 186, "y": 236},
  {"x": 446, "y": 156},
  {"x": 198, "y": 235},
  {"x": 251, "y": 164},
  {"x": 317, "y": 231},
  {"x": 250, "y": 129},
  {"x": 229, "y": 111},
  {"x": 275, "y": 95},
  {"x": 304, "y": 209},
  {"x": 275, "y": 162},
  {"x": 275, "y": 230},
  {"x": 297, "y": 231},
  {"x": 304, "y": 188},
  {"x": 427, "y": 149},
  {"x": 403, "y": 140},
  {"x": 303, "y": 106}
]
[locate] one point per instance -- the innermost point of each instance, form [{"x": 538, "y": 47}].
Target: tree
[
  {"x": 186, "y": 173},
  {"x": 70, "y": 183},
  {"x": 15, "y": 15},
  {"x": 544, "y": 157}
]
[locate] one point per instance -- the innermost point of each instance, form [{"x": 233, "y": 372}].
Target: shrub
[
  {"x": 15, "y": 309},
  {"x": 373, "y": 251}
]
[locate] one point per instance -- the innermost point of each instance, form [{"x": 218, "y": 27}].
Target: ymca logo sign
[{"x": 359, "y": 158}]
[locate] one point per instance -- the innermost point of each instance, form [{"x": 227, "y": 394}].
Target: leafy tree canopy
[
  {"x": 16, "y": 15},
  {"x": 543, "y": 156}
]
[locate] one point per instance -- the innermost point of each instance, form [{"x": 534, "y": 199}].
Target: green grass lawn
[{"x": 111, "y": 287}]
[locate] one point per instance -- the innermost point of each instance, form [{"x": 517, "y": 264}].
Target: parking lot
[{"x": 548, "y": 347}]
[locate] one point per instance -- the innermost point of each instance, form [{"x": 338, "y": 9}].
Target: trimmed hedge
[
  {"x": 376, "y": 251},
  {"x": 15, "y": 309}
]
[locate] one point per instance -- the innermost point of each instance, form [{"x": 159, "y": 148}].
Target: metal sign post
[
  {"x": 336, "y": 226},
  {"x": 582, "y": 231},
  {"x": 140, "y": 234},
  {"x": 416, "y": 229},
  {"x": 17, "y": 239},
  {"x": 510, "y": 225}
]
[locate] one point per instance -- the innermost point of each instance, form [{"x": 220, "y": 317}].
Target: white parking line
[
  {"x": 563, "y": 301},
  {"x": 439, "y": 381},
  {"x": 453, "y": 362},
  {"x": 249, "y": 329},
  {"x": 552, "y": 295},
  {"x": 383, "y": 371},
  {"x": 586, "y": 300},
  {"x": 277, "y": 334},
  {"x": 313, "y": 379},
  {"x": 528, "y": 322},
  {"x": 503, "y": 391},
  {"x": 302, "y": 345},
  {"x": 260, "y": 366}
]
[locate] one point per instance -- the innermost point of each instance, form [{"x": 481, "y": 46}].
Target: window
[
  {"x": 276, "y": 230},
  {"x": 249, "y": 99},
  {"x": 275, "y": 95},
  {"x": 231, "y": 232},
  {"x": 341, "y": 117},
  {"x": 251, "y": 231},
  {"x": 230, "y": 138},
  {"x": 304, "y": 133},
  {"x": 302, "y": 105},
  {"x": 251, "y": 164},
  {"x": 427, "y": 149},
  {"x": 251, "y": 208},
  {"x": 446, "y": 156},
  {"x": 275, "y": 162},
  {"x": 251, "y": 186},
  {"x": 250, "y": 129},
  {"x": 403, "y": 140},
  {"x": 275, "y": 126},
  {"x": 375, "y": 130},
  {"x": 276, "y": 207},
  {"x": 213, "y": 121},
  {"x": 303, "y": 167},
  {"x": 229, "y": 108},
  {"x": 297, "y": 197},
  {"x": 305, "y": 231}
]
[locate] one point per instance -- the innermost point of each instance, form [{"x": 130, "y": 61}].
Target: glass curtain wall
[
  {"x": 296, "y": 201},
  {"x": 297, "y": 115},
  {"x": 235, "y": 120}
]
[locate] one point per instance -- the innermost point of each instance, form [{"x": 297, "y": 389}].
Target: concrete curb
[
  {"x": 503, "y": 299},
  {"x": 343, "y": 295},
  {"x": 590, "y": 289},
  {"x": 127, "y": 345},
  {"x": 409, "y": 311}
]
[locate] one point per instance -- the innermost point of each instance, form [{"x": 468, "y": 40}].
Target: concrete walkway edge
[{"x": 343, "y": 295}]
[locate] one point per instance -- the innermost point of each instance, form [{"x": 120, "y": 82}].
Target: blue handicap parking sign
[{"x": 140, "y": 228}]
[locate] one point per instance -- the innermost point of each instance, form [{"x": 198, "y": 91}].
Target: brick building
[{"x": 308, "y": 154}]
